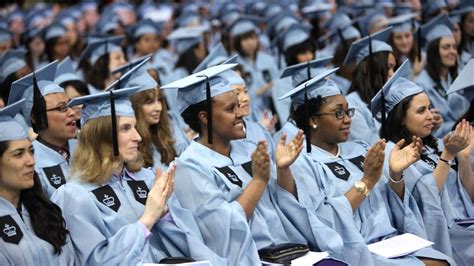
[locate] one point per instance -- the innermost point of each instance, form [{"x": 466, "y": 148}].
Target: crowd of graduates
[{"x": 139, "y": 132}]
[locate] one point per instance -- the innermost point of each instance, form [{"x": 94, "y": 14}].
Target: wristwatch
[{"x": 362, "y": 188}]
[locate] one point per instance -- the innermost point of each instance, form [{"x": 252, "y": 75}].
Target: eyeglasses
[
  {"x": 340, "y": 114},
  {"x": 63, "y": 108}
]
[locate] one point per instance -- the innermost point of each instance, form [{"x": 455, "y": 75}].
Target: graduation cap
[
  {"x": 281, "y": 22},
  {"x": 317, "y": 10},
  {"x": 440, "y": 26},
  {"x": 11, "y": 61},
  {"x": 10, "y": 129},
  {"x": 464, "y": 83},
  {"x": 66, "y": 72},
  {"x": 218, "y": 53},
  {"x": 296, "y": 34},
  {"x": 16, "y": 14},
  {"x": 124, "y": 68},
  {"x": 341, "y": 26},
  {"x": 244, "y": 24},
  {"x": 111, "y": 103},
  {"x": 271, "y": 10},
  {"x": 402, "y": 8},
  {"x": 373, "y": 43},
  {"x": 146, "y": 26},
  {"x": 5, "y": 35},
  {"x": 69, "y": 16},
  {"x": 373, "y": 18},
  {"x": 304, "y": 71},
  {"x": 108, "y": 22},
  {"x": 201, "y": 86},
  {"x": 33, "y": 87},
  {"x": 187, "y": 19},
  {"x": 186, "y": 38},
  {"x": 232, "y": 77},
  {"x": 98, "y": 47},
  {"x": 54, "y": 30},
  {"x": 316, "y": 87},
  {"x": 430, "y": 7},
  {"x": 397, "y": 88},
  {"x": 137, "y": 76},
  {"x": 403, "y": 23}
]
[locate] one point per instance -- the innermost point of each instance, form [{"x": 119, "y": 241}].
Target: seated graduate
[
  {"x": 408, "y": 114},
  {"x": 52, "y": 120},
  {"x": 12, "y": 67},
  {"x": 339, "y": 180},
  {"x": 32, "y": 228},
  {"x": 299, "y": 74},
  {"x": 230, "y": 184},
  {"x": 440, "y": 70},
  {"x": 99, "y": 58},
  {"x": 162, "y": 140},
  {"x": 375, "y": 64},
  {"x": 112, "y": 204}
]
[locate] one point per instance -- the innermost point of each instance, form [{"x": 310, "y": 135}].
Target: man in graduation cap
[{"x": 46, "y": 109}]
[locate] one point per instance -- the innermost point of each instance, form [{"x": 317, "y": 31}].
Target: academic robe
[
  {"x": 20, "y": 245},
  {"x": 364, "y": 127}
]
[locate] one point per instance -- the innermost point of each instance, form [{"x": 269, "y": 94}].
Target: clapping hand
[
  {"x": 459, "y": 139},
  {"x": 286, "y": 154},
  {"x": 402, "y": 157}
]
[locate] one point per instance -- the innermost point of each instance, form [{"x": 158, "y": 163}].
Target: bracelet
[
  {"x": 395, "y": 181},
  {"x": 444, "y": 160}
]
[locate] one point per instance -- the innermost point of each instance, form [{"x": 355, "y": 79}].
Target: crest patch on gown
[
  {"x": 55, "y": 175},
  {"x": 10, "y": 231},
  {"x": 248, "y": 167},
  {"x": 339, "y": 170},
  {"x": 430, "y": 162},
  {"x": 266, "y": 75},
  {"x": 230, "y": 175},
  {"x": 358, "y": 161},
  {"x": 106, "y": 195},
  {"x": 248, "y": 78},
  {"x": 140, "y": 190}
]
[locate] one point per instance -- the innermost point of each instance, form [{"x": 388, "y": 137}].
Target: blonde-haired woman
[{"x": 116, "y": 201}]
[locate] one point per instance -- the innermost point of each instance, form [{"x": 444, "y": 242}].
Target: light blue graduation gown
[
  {"x": 290, "y": 129},
  {"x": 52, "y": 168},
  {"x": 437, "y": 209},
  {"x": 255, "y": 132},
  {"x": 104, "y": 223},
  {"x": 342, "y": 83},
  {"x": 256, "y": 74},
  {"x": 209, "y": 183},
  {"x": 19, "y": 244},
  {"x": 364, "y": 127},
  {"x": 280, "y": 87},
  {"x": 451, "y": 107},
  {"x": 322, "y": 180}
]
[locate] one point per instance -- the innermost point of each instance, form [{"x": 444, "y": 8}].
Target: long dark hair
[
  {"x": 6, "y": 86},
  {"x": 49, "y": 48},
  {"x": 238, "y": 39},
  {"x": 191, "y": 115},
  {"x": 361, "y": 84},
  {"x": 188, "y": 59},
  {"x": 394, "y": 130},
  {"x": 97, "y": 74},
  {"x": 412, "y": 55},
  {"x": 46, "y": 218},
  {"x": 292, "y": 51},
  {"x": 434, "y": 64},
  {"x": 465, "y": 38}
]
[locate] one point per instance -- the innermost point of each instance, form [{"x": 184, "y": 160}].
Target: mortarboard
[
  {"x": 217, "y": 53},
  {"x": 318, "y": 86},
  {"x": 397, "y": 88},
  {"x": 186, "y": 38},
  {"x": 11, "y": 61},
  {"x": 10, "y": 129},
  {"x": 232, "y": 77},
  {"x": 199, "y": 87},
  {"x": 111, "y": 103},
  {"x": 440, "y": 26},
  {"x": 296, "y": 34},
  {"x": 54, "y": 30},
  {"x": 430, "y": 7},
  {"x": 304, "y": 71},
  {"x": 244, "y": 24},
  {"x": 33, "y": 87},
  {"x": 403, "y": 23},
  {"x": 66, "y": 72},
  {"x": 146, "y": 26},
  {"x": 98, "y": 47},
  {"x": 464, "y": 83},
  {"x": 317, "y": 10},
  {"x": 136, "y": 76},
  {"x": 360, "y": 49}
]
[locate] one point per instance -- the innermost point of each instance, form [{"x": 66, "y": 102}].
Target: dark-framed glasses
[{"x": 340, "y": 114}]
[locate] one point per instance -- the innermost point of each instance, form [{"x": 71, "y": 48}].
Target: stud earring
[{"x": 315, "y": 126}]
